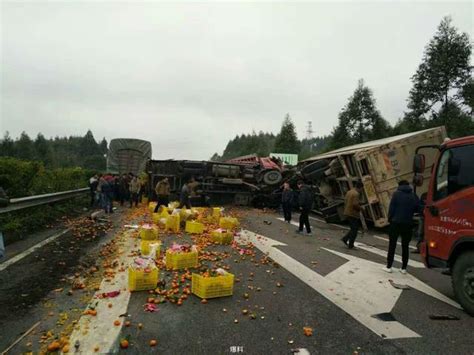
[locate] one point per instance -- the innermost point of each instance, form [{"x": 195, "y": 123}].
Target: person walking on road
[
  {"x": 352, "y": 212},
  {"x": 134, "y": 191},
  {"x": 403, "y": 206},
  {"x": 287, "y": 201},
  {"x": 162, "y": 190},
  {"x": 184, "y": 200},
  {"x": 305, "y": 202}
]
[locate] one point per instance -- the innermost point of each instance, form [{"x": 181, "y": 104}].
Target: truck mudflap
[
  {"x": 424, "y": 253},
  {"x": 431, "y": 261}
]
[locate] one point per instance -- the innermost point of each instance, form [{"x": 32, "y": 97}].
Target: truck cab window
[{"x": 455, "y": 171}]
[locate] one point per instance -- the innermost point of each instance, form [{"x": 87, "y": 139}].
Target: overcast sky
[{"x": 190, "y": 76}]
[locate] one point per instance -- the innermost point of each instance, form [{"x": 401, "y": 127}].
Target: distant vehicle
[
  {"x": 448, "y": 239},
  {"x": 378, "y": 164},
  {"x": 127, "y": 155}
]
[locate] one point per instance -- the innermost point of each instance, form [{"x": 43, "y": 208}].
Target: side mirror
[
  {"x": 418, "y": 180},
  {"x": 419, "y": 162}
]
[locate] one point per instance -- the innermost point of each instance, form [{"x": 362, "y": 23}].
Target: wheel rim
[{"x": 469, "y": 283}]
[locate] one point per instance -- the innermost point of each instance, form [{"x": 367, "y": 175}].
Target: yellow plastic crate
[
  {"x": 172, "y": 223},
  {"x": 228, "y": 222},
  {"x": 145, "y": 247},
  {"x": 151, "y": 206},
  {"x": 173, "y": 205},
  {"x": 149, "y": 233},
  {"x": 216, "y": 213},
  {"x": 222, "y": 236},
  {"x": 156, "y": 218},
  {"x": 178, "y": 261},
  {"x": 163, "y": 211},
  {"x": 142, "y": 279},
  {"x": 193, "y": 227},
  {"x": 212, "y": 287}
]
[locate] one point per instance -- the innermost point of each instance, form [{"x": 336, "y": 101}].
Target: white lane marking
[
  {"x": 27, "y": 252},
  {"x": 374, "y": 250},
  {"x": 387, "y": 240},
  {"x": 354, "y": 287},
  {"x": 99, "y": 330},
  {"x": 331, "y": 224}
]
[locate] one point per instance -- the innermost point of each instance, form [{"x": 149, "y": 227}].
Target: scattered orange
[
  {"x": 153, "y": 342},
  {"x": 308, "y": 331},
  {"x": 117, "y": 323},
  {"x": 54, "y": 346},
  {"x": 124, "y": 343}
]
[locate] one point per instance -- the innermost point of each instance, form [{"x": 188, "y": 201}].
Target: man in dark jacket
[
  {"x": 287, "y": 201},
  {"x": 184, "y": 200},
  {"x": 403, "y": 206},
  {"x": 305, "y": 202}
]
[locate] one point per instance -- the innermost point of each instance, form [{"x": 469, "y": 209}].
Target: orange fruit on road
[
  {"x": 54, "y": 346},
  {"x": 117, "y": 323},
  {"x": 153, "y": 342},
  {"x": 124, "y": 344}
]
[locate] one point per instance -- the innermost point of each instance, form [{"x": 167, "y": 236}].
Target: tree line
[
  {"x": 58, "y": 152},
  {"x": 442, "y": 94}
]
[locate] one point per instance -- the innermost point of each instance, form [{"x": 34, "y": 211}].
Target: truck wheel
[{"x": 463, "y": 281}]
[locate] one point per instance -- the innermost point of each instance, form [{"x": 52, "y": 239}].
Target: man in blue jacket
[{"x": 403, "y": 206}]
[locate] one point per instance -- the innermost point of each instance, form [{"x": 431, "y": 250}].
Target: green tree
[
  {"x": 287, "y": 141},
  {"x": 359, "y": 120},
  {"x": 43, "y": 150},
  {"x": 215, "y": 157},
  {"x": 441, "y": 82},
  {"x": 7, "y": 146},
  {"x": 24, "y": 147}
]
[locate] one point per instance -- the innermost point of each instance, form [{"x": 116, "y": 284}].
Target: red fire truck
[{"x": 448, "y": 222}]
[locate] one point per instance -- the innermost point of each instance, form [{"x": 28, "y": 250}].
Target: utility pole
[{"x": 309, "y": 130}]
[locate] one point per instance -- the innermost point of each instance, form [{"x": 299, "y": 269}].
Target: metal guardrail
[{"x": 31, "y": 201}]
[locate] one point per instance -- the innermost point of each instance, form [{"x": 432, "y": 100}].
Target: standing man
[
  {"x": 93, "y": 182},
  {"x": 352, "y": 212},
  {"x": 287, "y": 201},
  {"x": 184, "y": 200},
  {"x": 162, "y": 190},
  {"x": 134, "y": 191},
  {"x": 403, "y": 206},
  {"x": 305, "y": 202}
]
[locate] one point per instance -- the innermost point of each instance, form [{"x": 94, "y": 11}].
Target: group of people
[
  {"x": 303, "y": 200},
  {"x": 104, "y": 189},
  {"x": 188, "y": 190},
  {"x": 403, "y": 205}
]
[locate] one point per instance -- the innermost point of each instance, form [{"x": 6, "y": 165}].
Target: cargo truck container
[{"x": 378, "y": 164}]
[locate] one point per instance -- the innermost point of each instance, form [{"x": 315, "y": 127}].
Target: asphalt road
[{"x": 315, "y": 282}]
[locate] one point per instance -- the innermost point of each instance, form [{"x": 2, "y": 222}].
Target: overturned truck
[
  {"x": 238, "y": 182},
  {"x": 378, "y": 164}
]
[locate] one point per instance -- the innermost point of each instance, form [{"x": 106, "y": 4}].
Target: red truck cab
[{"x": 449, "y": 215}]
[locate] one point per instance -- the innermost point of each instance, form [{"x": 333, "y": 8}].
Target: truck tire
[
  {"x": 463, "y": 281},
  {"x": 271, "y": 177}
]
